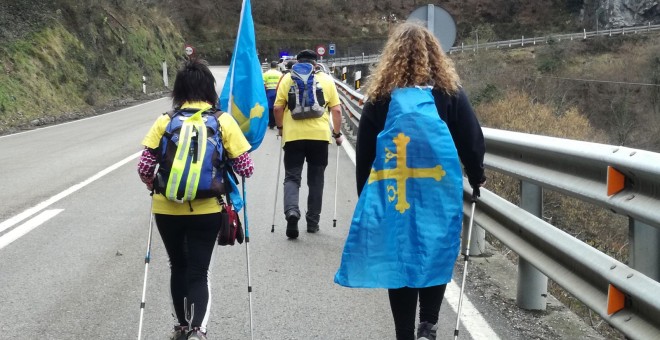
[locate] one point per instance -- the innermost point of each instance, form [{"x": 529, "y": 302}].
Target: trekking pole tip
[
  {"x": 334, "y": 223},
  {"x": 272, "y": 228}
]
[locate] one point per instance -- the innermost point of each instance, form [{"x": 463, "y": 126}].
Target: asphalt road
[{"x": 74, "y": 221}]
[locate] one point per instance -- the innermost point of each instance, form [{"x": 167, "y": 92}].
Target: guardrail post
[
  {"x": 644, "y": 249},
  {"x": 532, "y": 284},
  {"x": 166, "y": 80},
  {"x": 522, "y": 41}
]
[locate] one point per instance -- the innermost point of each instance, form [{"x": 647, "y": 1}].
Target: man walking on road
[
  {"x": 305, "y": 100},
  {"x": 271, "y": 79}
]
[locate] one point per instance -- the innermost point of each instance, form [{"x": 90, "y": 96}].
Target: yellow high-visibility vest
[{"x": 271, "y": 78}]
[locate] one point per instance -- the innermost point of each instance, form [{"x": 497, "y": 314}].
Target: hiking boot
[
  {"x": 196, "y": 334},
  {"x": 292, "y": 226},
  {"x": 312, "y": 228},
  {"x": 179, "y": 333},
  {"x": 426, "y": 331}
]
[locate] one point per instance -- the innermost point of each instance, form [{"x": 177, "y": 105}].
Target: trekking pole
[
  {"x": 334, "y": 218},
  {"x": 247, "y": 255},
  {"x": 277, "y": 186},
  {"x": 475, "y": 194},
  {"x": 147, "y": 259}
]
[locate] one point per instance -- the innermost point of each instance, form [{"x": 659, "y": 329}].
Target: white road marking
[
  {"x": 79, "y": 120},
  {"x": 349, "y": 150},
  {"x": 45, "y": 204},
  {"x": 28, "y": 226},
  {"x": 471, "y": 319}
]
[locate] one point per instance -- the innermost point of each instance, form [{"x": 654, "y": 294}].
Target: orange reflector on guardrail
[
  {"x": 615, "y": 181},
  {"x": 616, "y": 300}
]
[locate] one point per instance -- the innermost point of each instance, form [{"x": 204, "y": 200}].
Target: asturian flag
[
  {"x": 244, "y": 86},
  {"x": 405, "y": 230}
]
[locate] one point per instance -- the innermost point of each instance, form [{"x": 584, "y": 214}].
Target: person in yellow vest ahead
[
  {"x": 305, "y": 99},
  {"x": 271, "y": 79}
]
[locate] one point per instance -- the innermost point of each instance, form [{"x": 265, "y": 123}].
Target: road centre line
[
  {"x": 45, "y": 204},
  {"x": 471, "y": 319},
  {"x": 28, "y": 226}
]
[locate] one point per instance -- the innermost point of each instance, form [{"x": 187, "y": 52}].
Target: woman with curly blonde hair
[{"x": 410, "y": 252}]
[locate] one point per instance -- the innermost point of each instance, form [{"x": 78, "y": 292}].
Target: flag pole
[
  {"x": 245, "y": 217},
  {"x": 233, "y": 59}
]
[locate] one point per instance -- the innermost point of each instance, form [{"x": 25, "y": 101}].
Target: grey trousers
[{"x": 295, "y": 154}]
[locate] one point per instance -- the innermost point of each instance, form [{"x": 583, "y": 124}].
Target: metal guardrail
[
  {"x": 577, "y": 169},
  {"x": 514, "y": 43}
]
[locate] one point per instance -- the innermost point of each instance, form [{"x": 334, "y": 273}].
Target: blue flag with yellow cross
[
  {"x": 244, "y": 86},
  {"x": 405, "y": 230}
]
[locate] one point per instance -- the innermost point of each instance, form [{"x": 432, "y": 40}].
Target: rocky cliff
[{"x": 624, "y": 13}]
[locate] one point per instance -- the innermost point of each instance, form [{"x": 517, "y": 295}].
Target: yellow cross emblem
[{"x": 402, "y": 172}]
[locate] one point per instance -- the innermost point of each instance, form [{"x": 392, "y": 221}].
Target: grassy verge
[{"x": 55, "y": 70}]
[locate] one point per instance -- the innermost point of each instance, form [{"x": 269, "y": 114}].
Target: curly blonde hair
[{"x": 412, "y": 56}]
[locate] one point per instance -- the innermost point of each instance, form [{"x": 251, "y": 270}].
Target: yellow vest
[{"x": 271, "y": 78}]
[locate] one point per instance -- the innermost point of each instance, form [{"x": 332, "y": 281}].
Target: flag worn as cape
[
  {"x": 405, "y": 230},
  {"x": 244, "y": 85}
]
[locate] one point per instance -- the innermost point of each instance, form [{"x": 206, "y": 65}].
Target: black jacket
[{"x": 455, "y": 111}]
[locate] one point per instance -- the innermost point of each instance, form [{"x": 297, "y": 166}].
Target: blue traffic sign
[{"x": 331, "y": 49}]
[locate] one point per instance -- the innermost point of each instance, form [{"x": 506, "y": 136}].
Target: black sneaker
[
  {"x": 312, "y": 228},
  {"x": 292, "y": 226},
  {"x": 426, "y": 331}
]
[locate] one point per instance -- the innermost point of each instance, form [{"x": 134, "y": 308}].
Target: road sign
[
  {"x": 331, "y": 49},
  {"x": 438, "y": 21},
  {"x": 189, "y": 50},
  {"x": 320, "y": 50}
]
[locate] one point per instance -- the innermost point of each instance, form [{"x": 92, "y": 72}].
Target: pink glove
[
  {"x": 243, "y": 165},
  {"x": 147, "y": 167}
]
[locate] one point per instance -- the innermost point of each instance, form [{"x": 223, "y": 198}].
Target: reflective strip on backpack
[
  {"x": 192, "y": 126},
  {"x": 195, "y": 171}
]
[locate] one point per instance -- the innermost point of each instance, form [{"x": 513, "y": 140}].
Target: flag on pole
[{"x": 244, "y": 87}]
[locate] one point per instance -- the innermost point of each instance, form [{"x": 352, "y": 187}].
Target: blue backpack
[
  {"x": 305, "y": 98},
  {"x": 192, "y": 159}
]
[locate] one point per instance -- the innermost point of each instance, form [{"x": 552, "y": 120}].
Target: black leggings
[
  {"x": 190, "y": 241},
  {"x": 403, "y": 302}
]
